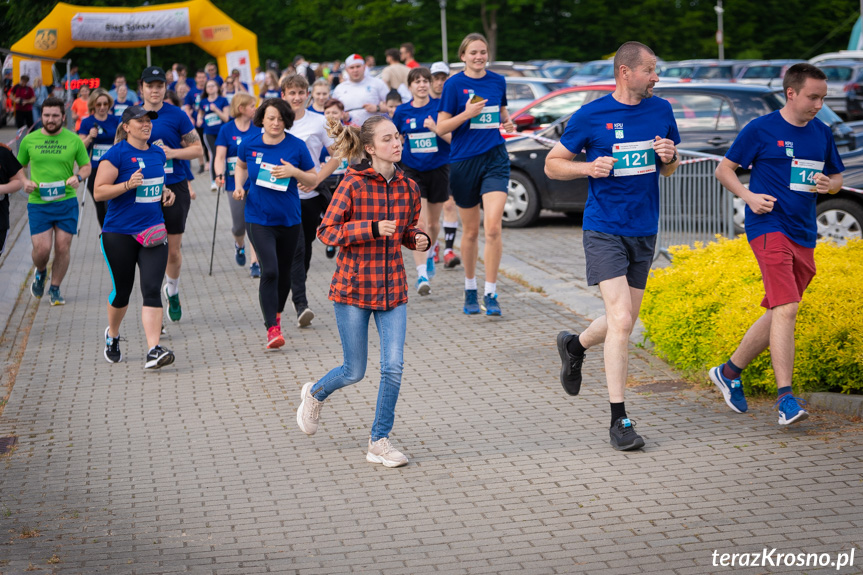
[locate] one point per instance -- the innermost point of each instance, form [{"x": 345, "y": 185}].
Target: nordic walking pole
[{"x": 213, "y": 249}]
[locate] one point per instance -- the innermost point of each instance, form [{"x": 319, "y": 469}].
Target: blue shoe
[
  {"x": 430, "y": 267},
  {"x": 240, "y": 255},
  {"x": 37, "y": 288},
  {"x": 471, "y": 305},
  {"x": 789, "y": 410},
  {"x": 255, "y": 270},
  {"x": 732, "y": 390},
  {"x": 54, "y": 294},
  {"x": 489, "y": 304},
  {"x": 423, "y": 287}
]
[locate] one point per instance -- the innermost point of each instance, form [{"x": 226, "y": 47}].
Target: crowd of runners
[{"x": 369, "y": 165}]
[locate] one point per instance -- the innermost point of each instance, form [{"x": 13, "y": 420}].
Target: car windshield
[
  {"x": 560, "y": 72},
  {"x": 601, "y": 69},
  {"x": 678, "y": 72},
  {"x": 756, "y": 72},
  {"x": 838, "y": 73},
  {"x": 550, "y": 110},
  {"x": 712, "y": 73}
]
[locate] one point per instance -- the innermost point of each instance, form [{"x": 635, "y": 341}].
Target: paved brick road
[{"x": 200, "y": 468}]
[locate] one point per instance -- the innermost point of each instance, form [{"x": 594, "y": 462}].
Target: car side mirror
[{"x": 524, "y": 122}]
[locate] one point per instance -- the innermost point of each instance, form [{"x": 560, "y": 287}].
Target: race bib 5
[{"x": 266, "y": 179}]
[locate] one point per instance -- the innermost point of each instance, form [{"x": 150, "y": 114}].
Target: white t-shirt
[
  {"x": 354, "y": 95},
  {"x": 312, "y": 129}
]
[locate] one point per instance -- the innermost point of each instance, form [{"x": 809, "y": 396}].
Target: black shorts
[
  {"x": 608, "y": 256},
  {"x": 176, "y": 214},
  {"x": 433, "y": 184}
]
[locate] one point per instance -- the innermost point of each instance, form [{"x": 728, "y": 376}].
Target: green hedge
[{"x": 697, "y": 310}]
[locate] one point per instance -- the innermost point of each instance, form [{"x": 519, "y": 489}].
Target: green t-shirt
[{"x": 52, "y": 160}]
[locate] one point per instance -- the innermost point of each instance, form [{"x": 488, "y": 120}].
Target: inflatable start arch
[{"x": 196, "y": 21}]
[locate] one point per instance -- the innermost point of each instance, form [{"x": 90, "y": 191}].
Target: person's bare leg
[
  {"x": 41, "y": 253},
  {"x": 492, "y": 207},
  {"x": 619, "y": 322},
  {"x": 420, "y": 257},
  {"x": 175, "y": 257},
  {"x": 432, "y": 220},
  {"x": 62, "y": 255},
  {"x": 151, "y": 317},
  {"x": 782, "y": 343},
  {"x": 756, "y": 340},
  {"x": 596, "y": 331},
  {"x": 115, "y": 318},
  {"x": 469, "y": 239}
]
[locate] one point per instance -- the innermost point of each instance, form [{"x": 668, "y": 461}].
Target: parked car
[
  {"x": 540, "y": 114},
  {"x": 592, "y": 72},
  {"x": 709, "y": 117},
  {"x": 854, "y": 98},
  {"x": 841, "y": 55},
  {"x": 521, "y": 91},
  {"x": 766, "y": 72},
  {"x": 702, "y": 70},
  {"x": 504, "y": 68},
  {"x": 840, "y": 74},
  {"x": 560, "y": 70}
]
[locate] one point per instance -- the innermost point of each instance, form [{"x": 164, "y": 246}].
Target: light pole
[
  {"x": 720, "y": 35},
  {"x": 443, "y": 29}
]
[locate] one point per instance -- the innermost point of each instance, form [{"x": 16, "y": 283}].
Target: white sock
[
  {"x": 422, "y": 271},
  {"x": 490, "y": 288},
  {"x": 173, "y": 285},
  {"x": 470, "y": 283},
  {"x": 450, "y": 225}
]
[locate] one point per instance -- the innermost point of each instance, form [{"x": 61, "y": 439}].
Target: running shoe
[
  {"x": 450, "y": 260},
  {"x": 790, "y": 410},
  {"x": 570, "y": 364},
  {"x": 37, "y": 288},
  {"x": 240, "y": 255},
  {"x": 201, "y": 169},
  {"x": 489, "y": 304},
  {"x": 159, "y": 357},
  {"x": 423, "y": 286},
  {"x": 305, "y": 317},
  {"x": 623, "y": 435},
  {"x": 54, "y": 294},
  {"x": 112, "y": 348},
  {"x": 430, "y": 268},
  {"x": 309, "y": 411},
  {"x": 213, "y": 187},
  {"x": 255, "y": 270},
  {"x": 174, "y": 311},
  {"x": 732, "y": 390},
  {"x": 471, "y": 305},
  {"x": 436, "y": 253},
  {"x": 383, "y": 452},
  {"x": 274, "y": 337},
  {"x": 331, "y": 252}
]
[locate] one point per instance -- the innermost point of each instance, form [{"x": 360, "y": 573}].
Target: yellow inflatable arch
[{"x": 195, "y": 21}]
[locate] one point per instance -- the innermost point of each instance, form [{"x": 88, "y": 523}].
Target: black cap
[
  {"x": 137, "y": 112},
  {"x": 153, "y": 74}
]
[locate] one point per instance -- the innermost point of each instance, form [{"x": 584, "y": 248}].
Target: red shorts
[{"x": 786, "y": 268}]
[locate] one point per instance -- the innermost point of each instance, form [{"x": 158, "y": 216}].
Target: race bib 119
[{"x": 150, "y": 191}]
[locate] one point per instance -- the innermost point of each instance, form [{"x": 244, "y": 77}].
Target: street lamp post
[
  {"x": 443, "y": 29},
  {"x": 720, "y": 34}
]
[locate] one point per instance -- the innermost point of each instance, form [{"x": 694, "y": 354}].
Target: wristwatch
[
  {"x": 673, "y": 158},
  {"x": 80, "y": 179}
]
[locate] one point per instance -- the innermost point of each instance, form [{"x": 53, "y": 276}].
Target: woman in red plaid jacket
[{"x": 373, "y": 213}]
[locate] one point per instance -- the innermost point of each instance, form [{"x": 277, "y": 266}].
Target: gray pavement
[{"x": 200, "y": 468}]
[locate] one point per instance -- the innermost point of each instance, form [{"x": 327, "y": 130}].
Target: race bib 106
[
  {"x": 803, "y": 174},
  {"x": 423, "y": 142},
  {"x": 634, "y": 158}
]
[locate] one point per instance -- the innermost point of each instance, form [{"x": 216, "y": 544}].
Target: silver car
[{"x": 839, "y": 74}]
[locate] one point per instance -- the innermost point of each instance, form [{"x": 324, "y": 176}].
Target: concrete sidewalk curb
[{"x": 845, "y": 404}]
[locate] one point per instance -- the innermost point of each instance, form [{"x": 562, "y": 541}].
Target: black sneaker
[
  {"x": 159, "y": 357},
  {"x": 112, "y": 348},
  {"x": 623, "y": 436},
  {"x": 304, "y": 316},
  {"x": 570, "y": 368}
]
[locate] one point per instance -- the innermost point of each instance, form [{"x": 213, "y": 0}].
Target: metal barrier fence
[
  {"x": 693, "y": 205},
  {"x": 16, "y": 142}
]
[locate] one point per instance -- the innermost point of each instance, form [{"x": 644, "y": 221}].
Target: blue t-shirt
[
  {"x": 193, "y": 99},
  {"x": 169, "y": 128},
  {"x": 212, "y": 121},
  {"x": 189, "y": 82},
  {"x": 135, "y": 210},
  {"x": 120, "y": 107},
  {"x": 272, "y": 93},
  {"x": 423, "y": 150},
  {"x": 626, "y": 203},
  {"x": 482, "y": 133},
  {"x": 105, "y": 139},
  {"x": 273, "y": 202},
  {"x": 781, "y": 156},
  {"x": 231, "y": 137},
  {"x": 312, "y": 109}
]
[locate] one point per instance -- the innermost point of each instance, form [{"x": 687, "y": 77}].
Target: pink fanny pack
[{"x": 153, "y": 236}]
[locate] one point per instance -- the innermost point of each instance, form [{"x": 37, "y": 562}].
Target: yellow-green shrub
[{"x": 697, "y": 310}]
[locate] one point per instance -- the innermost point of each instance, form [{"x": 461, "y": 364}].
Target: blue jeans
[{"x": 353, "y": 325}]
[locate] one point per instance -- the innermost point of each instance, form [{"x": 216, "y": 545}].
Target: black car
[{"x": 709, "y": 117}]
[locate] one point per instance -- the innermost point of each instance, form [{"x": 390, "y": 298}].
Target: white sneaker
[
  {"x": 383, "y": 452},
  {"x": 309, "y": 411},
  {"x": 213, "y": 187}
]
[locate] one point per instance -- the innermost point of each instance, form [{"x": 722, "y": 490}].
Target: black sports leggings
[
  {"x": 275, "y": 246},
  {"x": 311, "y": 213},
  {"x": 122, "y": 253},
  {"x": 101, "y": 207},
  {"x": 210, "y": 144}
]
